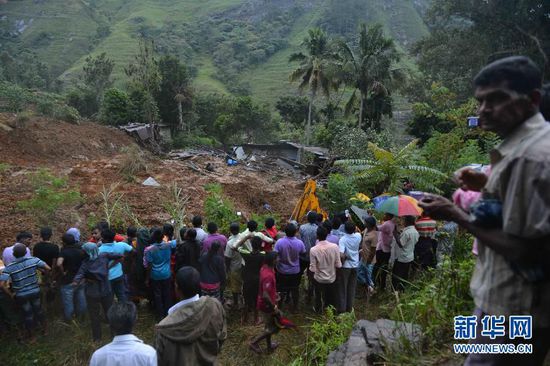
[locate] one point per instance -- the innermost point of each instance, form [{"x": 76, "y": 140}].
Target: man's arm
[
  {"x": 265, "y": 238},
  {"x": 507, "y": 245}
]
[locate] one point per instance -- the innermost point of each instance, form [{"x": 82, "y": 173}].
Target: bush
[
  {"x": 83, "y": 100},
  {"x": 115, "y": 107},
  {"x": 335, "y": 197},
  {"x": 184, "y": 140},
  {"x": 14, "y": 97},
  {"x": 219, "y": 209},
  {"x": 50, "y": 194},
  {"x": 324, "y": 336}
]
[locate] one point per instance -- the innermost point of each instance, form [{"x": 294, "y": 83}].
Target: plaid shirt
[
  {"x": 22, "y": 273},
  {"x": 520, "y": 179}
]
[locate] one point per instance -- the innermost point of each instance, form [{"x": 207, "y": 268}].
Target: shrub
[
  {"x": 335, "y": 197},
  {"x": 133, "y": 161},
  {"x": 219, "y": 209},
  {"x": 115, "y": 107},
  {"x": 50, "y": 194},
  {"x": 14, "y": 97},
  {"x": 324, "y": 336}
]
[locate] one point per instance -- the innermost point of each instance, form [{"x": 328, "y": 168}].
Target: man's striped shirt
[{"x": 22, "y": 272}]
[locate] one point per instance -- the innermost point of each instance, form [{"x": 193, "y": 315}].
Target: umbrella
[
  {"x": 380, "y": 199},
  {"x": 400, "y": 206}
]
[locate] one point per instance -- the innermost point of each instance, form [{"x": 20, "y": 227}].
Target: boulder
[{"x": 369, "y": 339}]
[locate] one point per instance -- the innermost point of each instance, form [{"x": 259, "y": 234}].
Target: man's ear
[{"x": 536, "y": 97}]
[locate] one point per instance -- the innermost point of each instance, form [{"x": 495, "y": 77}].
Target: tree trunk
[
  {"x": 180, "y": 117},
  {"x": 308, "y": 125},
  {"x": 360, "y": 124}
]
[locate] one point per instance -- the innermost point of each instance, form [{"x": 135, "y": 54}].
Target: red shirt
[
  {"x": 118, "y": 238},
  {"x": 267, "y": 283},
  {"x": 268, "y": 247}
]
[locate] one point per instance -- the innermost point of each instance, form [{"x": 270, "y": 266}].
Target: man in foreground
[
  {"x": 512, "y": 219},
  {"x": 126, "y": 348},
  {"x": 195, "y": 328}
]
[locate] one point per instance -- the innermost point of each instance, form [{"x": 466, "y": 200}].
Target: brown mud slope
[{"x": 92, "y": 155}]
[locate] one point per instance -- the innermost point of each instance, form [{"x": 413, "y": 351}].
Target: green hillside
[{"x": 238, "y": 46}]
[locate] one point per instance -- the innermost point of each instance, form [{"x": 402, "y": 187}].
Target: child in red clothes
[{"x": 267, "y": 304}]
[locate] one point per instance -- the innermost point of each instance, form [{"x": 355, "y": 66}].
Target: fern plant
[{"x": 387, "y": 169}]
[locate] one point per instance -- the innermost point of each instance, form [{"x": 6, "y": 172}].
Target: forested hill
[{"x": 238, "y": 46}]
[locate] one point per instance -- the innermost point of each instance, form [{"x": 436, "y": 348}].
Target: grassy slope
[{"x": 72, "y": 23}]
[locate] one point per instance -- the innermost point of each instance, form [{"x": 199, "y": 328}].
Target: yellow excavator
[{"x": 308, "y": 202}]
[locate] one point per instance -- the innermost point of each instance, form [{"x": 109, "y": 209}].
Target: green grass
[{"x": 71, "y": 26}]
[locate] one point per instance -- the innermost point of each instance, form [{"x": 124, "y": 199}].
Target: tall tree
[
  {"x": 144, "y": 76},
  {"x": 97, "y": 74},
  {"x": 369, "y": 67},
  {"x": 466, "y": 35},
  {"x": 175, "y": 92},
  {"x": 316, "y": 70}
]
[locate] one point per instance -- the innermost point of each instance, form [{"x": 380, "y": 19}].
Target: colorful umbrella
[
  {"x": 400, "y": 206},
  {"x": 380, "y": 199}
]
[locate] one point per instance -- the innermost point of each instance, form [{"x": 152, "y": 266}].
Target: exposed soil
[{"x": 91, "y": 156}]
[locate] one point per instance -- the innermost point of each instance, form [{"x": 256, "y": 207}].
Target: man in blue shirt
[
  {"x": 24, "y": 282},
  {"x": 116, "y": 275},
  {"x": 308, "y": 235},
  {"x": 349, "y": 244},
  {"x": 159, "y": 273}
]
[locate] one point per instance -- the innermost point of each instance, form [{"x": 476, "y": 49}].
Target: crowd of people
[
  {"x": 191, "y": 280},
  {"x": 186, "y": 279}
]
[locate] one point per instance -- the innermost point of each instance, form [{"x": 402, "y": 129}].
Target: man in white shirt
[
  {"x": 349, "y": 245},
  {"x": 252, "y": 229},
  {"x": 197, "y": 225},
  {"x": 126, "y": 348},
  {"x": 404, "y": 253}
]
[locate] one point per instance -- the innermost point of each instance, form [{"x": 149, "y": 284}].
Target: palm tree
[
  {"x": 315, "y": 70},
  {"x": 368, "y": 69},
  {"x": 387, "y": 169}
]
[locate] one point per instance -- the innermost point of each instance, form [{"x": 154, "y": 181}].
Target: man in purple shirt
[
  {"x": 386, "y": 233},
  {"x": 213, "y": 236},
  {"x": 289, "y": 249},
  {"x": 24, "y": 238}
]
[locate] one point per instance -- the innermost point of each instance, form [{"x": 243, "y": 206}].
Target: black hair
[
  {"x": 46, "y": 233},
  {"x": 234, "y": 228},
  {"x": 23, "y": 235},
  {"x": 336, "y": 223},
  {"x": 252, "y": 225},
  {"x": 122, "y": 317},
  {"x": 519, "y": 73},
  {"x": 391, "y": 216},
  {"x": 156, "y": 236},
  {"x": 131, "y": 232},
  {"x": 409, "y": 220},
  {"x": 197, "y": 221},
  {"x": 319, "y": 217},
  {"x": 108, "y": 235},
  {"x": 545, "y": 101},
  {"x": 290, "y": 230},
  {"x": 102, "y": 225},
  {"x": 269, "y": 222},
  {"x": 183, "y": 232},
  {"x": 327, "y": 225},
  {"x": 322, "y": 233},
  {"x": 19, "y": 250},
  {"x": 168, "y": 230},
  {"x": 68, "y": 239},
  {"x": 312, "y": 217},
  {"x": 191, "y": 234},
  {"x": 270, "y": 258},
  {"x": 349, "y": 227},
  {"x": 212, "y": 227},
  {"x": 256, "y": 243},
  {"x": 188, "y": 280},
  {"x": 370, "y": 222}
]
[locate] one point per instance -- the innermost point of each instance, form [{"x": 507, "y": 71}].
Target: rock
[
  {"x": 369, "y": 339},
  {"x": 151, "y": 182}
]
